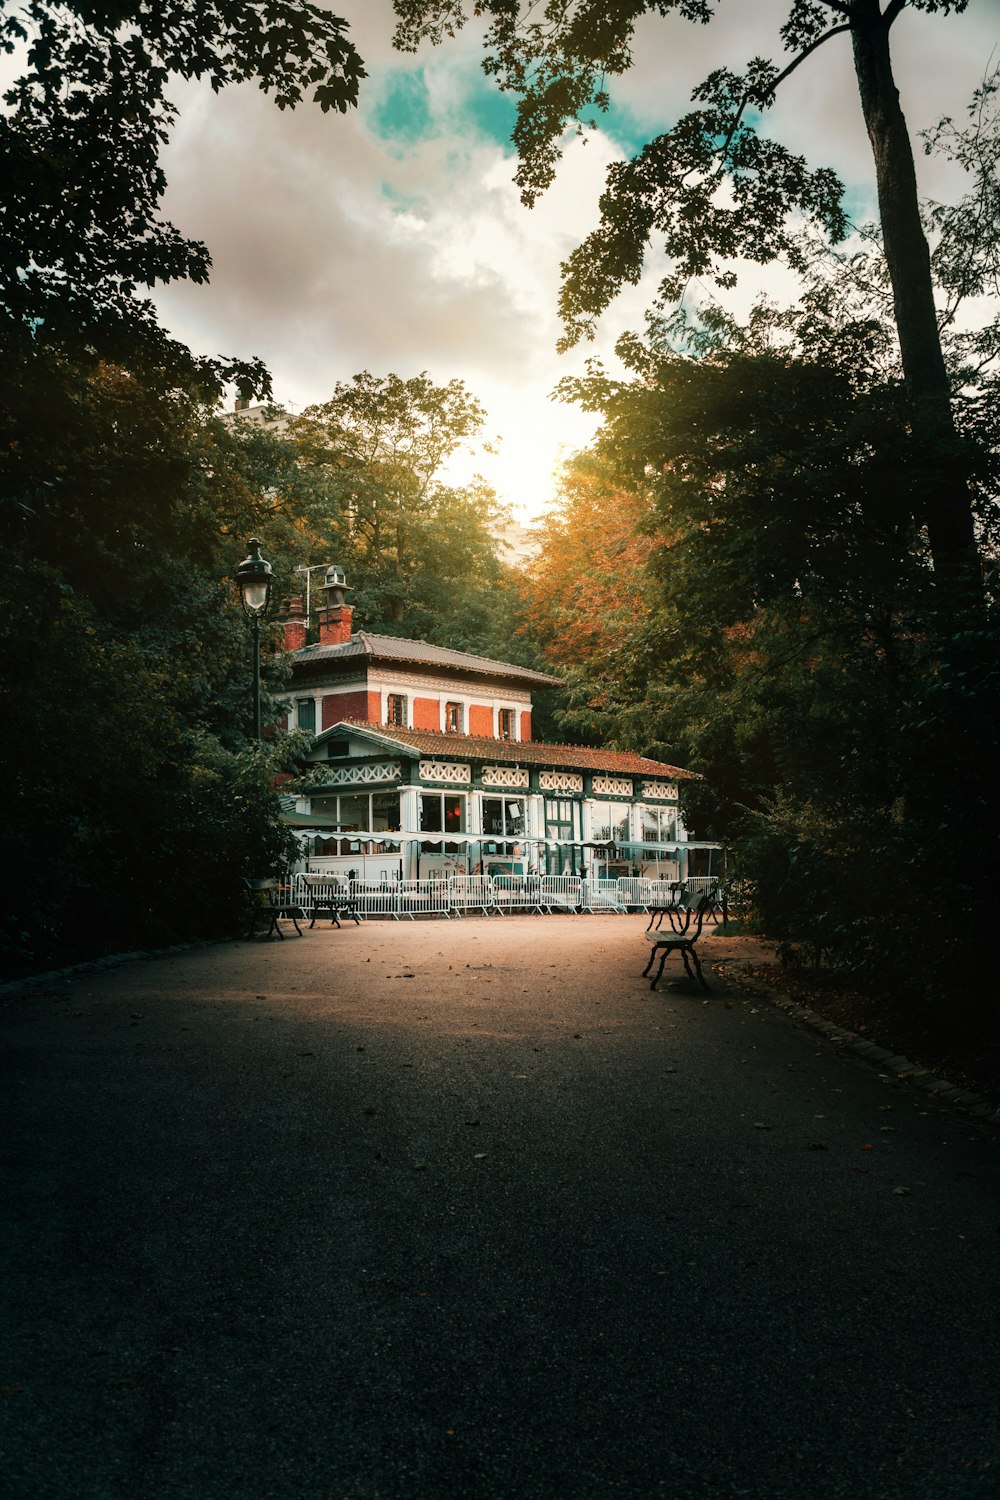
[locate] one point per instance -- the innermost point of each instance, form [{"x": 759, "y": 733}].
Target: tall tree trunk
[{"x": 938, "y": 450}]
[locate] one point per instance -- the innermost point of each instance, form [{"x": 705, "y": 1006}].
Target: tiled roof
[
  {"x": 394, "y": 648},
  {"x": 517, "y": 752}
]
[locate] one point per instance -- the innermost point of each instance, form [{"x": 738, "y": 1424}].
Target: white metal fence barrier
[
  {"x": 561, "y": 892},
  {"x": 473, "y": 893},
  {"x": 602, "y": 895},
  {"x": 518, "y": 893},
  {"x": 501, "y": 894}
]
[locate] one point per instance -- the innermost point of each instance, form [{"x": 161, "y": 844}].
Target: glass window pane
[
  {"x": 354, "y": 812},
  {"x": 611, "y": 821},
  {"x": 492, "y": 815},
  {"x": 385, "y": 810},
  {"x": 453, "y": 809},
  {"x": 306, "y": 714},
  {"x": 430, "y": 812}
]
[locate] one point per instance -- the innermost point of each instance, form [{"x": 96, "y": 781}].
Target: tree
[
  {"x": 556, "y": 63},
  {"x": 371, "y": 465},
  {"x": 82, "y": 234},
  {"x": 778, "y": 640},
  {"x": 125, "y": 503}
]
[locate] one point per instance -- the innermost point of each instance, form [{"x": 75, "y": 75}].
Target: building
[{"x": 426, "y": 766}]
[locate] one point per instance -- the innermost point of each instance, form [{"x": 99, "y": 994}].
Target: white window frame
[{"x": 390, "y": 700}]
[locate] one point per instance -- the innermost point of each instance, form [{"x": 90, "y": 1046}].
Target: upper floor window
[
  {"x": 505, "y": 724},
  {"x": 306, "y": 714},
  {"x": 454, "y": 718},
  {"x": 395, "y": 710}
]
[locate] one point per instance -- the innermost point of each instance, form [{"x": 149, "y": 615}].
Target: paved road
[{"x": 461, "y": 1209}]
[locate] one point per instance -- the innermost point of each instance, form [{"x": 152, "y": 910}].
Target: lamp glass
[{"x": 255, "y": 592}]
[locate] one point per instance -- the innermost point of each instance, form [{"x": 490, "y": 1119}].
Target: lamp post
[{"x": 255, "y": 576}]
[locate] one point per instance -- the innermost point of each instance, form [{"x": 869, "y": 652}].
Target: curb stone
[{"x": 980, "y": 1105}]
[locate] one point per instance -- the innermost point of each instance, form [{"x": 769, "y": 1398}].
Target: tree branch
[
  {"x": 837, "y": 31},
  {"x": 892, "y": 11}
]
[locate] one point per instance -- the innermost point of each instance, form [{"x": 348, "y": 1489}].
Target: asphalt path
[{"x": 462, "y": 1209}]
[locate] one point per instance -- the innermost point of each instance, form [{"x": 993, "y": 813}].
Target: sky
[{"x": 393, "y": 239}]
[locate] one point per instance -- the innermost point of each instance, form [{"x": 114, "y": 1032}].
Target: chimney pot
[
  {"x": 335, "y": 619},
  {"x": 294, "y": 624}
]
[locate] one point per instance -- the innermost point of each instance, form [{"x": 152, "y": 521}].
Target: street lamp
[{"x": 255, "y": 576}]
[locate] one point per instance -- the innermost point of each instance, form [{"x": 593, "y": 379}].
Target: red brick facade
[
  {"x": 526, "y": 725},
  {"x": 426, "y": 713},
  {"x": 358, "y": 704},
  {"x": 481, "y": 720}
]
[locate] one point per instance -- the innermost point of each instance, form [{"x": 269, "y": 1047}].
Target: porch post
[{"x": 409, "y": 824}]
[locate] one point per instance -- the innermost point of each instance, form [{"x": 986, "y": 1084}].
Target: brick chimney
[
  {"x": 294, "y": 623},
  {"x": 335, "y": 617}
]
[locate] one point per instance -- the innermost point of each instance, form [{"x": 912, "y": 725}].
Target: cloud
[{"x": 394, "y": 238}]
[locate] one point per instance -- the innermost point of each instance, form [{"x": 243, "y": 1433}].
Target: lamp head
[{"x": 255, "y": 577}]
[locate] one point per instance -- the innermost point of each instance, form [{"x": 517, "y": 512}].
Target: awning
[{"x": 670, "y": 850}]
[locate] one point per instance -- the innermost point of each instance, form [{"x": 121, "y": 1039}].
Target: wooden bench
[
  {"x": 682, "y": 939},
  {"x": 328, "y": 898},
  {"x": 268, "y": 903},
  {"x": 668, "y": 908}
]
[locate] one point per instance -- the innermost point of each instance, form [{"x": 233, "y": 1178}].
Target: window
[
  {"x": 659, "y": 825},
  {"x": 562, "y": 822},
  {"x": 503, "y": 816},
  {"x": 506, "y": 723},
  {"x": 441, "y": 812},
  {"x": 305, "y": 714},
  {"x": 454, "y": 718},
  {"x": 354, "y": 814},
  {"x": 611, "y": 821},
  {"x": 395, "y": 710},
  {"x": 385, "y": 812},
  {"x": 562, "y": 818}
]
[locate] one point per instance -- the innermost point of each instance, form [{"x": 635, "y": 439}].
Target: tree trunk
[{"x": 940, "y": 462}]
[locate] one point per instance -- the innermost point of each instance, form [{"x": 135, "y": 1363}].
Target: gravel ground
[{"x": 462, "y": 1209}]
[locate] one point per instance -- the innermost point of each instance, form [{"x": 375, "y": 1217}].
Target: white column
[{"x": 409, "y": 821}]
